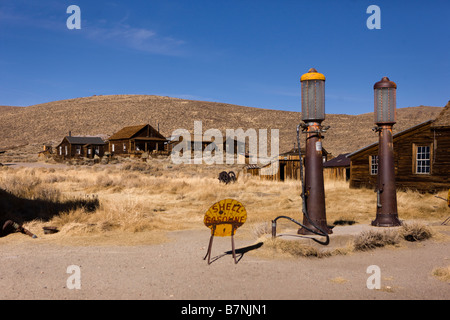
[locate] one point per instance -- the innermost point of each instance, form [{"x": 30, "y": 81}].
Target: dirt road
[{"x": 175, "y": 270}]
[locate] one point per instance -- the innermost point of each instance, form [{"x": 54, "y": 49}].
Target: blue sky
[{"x": 247, "y": 52}]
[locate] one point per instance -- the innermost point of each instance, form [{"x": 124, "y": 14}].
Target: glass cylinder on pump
[
  {"x": 313, "y": 96},
  {"x": 385, "y": 101}
]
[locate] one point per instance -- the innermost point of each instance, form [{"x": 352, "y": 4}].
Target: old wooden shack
[
  {"x": 47, "y": 152},
  {"x": 288, "y": 166},
  {"x": 421, "y": 153},
  {"x": 72, "y": 147},
  {"x": 337, "y": 168},
  {"x": 208, "y": 143},
  {"x": 136, "y": 140}
]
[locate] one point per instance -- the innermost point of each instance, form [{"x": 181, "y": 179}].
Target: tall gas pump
[
  {"x": 385, "y": 118},
  {"x": 313, "y": 190},
  {"x": 313, "y": 113}
]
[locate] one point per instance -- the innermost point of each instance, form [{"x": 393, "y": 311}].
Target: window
[
  {"x": 423, "y": 157},
  {"x": 78, "y": 150},
  {"x": 124, "y": 147},
  {"x": 373, "y": 165},
  {"x": 112, "y": 147}
]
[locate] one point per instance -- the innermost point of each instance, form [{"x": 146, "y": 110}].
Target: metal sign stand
[
  {"x": 230, "y": 214},
  {"x": 208, "y": 254}
]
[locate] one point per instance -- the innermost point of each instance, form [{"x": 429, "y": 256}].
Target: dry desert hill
[{"x": 103, "y": 115}]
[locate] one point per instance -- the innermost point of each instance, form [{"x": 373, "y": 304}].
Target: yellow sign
[
  {"x": 448, "y": 198},
  {"x": 224, "y": 217}
]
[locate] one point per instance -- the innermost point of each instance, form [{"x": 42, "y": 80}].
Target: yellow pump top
[{"x": 312, "y": 74}]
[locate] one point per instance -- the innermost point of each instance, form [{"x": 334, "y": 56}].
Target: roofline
[
  {"x": 148, "y": 139},
  {"x": 394, "y": 136},
  {"x": 441, "y": 114},
  {"x": 342, "y": 155},
  {"x": 141, "y": 126},
  {"x": 94, "y": 137},
  {"x": 302, "y": 149}
]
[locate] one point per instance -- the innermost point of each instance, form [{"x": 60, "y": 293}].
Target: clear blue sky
[{"x": 246, "y": 52}]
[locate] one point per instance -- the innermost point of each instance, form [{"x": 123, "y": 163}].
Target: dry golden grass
[
  {"x": 339, "y": 280},
  {"x": 415, "y": 231},
  {"x": 364, "y": 241},
  {"x": 135, "y": 197},
  {"x": 289, "y": 248},
  {"x": 442, "y": 274},
  {"x": 369, "y": 240}
]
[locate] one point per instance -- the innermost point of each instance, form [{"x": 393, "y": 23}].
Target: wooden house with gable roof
[
  {"x": 135, "y": 140},
  {"x": 80, "y": 147},
  {"x": 287, "y": 168},
  {"x": 337, "y": 168},
  {"x": 421, "y": 156}
]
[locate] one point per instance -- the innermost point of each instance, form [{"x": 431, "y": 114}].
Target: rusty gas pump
[
  {"x": 313, "y": 113},
  {"x": 385, "y": 118},
  {"x": 313, "y": 190}
]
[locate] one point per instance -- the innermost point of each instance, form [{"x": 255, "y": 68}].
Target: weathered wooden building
[
  {"x": 47, "y": 152},
  {"x": 135, "y": 140},
  {"x": 192, "y": 144},
  {"x": 421, "y": 155},
  {"x": 337, "y": 168},
  {"x": 208, "y": 143},
  {"x": 288, "y": 166},
  {"x": 80, "y": 147}
]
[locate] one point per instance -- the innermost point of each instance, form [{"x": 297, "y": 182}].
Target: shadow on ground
[
  {"x": 23, "y": 210},
  {"x": 239, "y": 252}
]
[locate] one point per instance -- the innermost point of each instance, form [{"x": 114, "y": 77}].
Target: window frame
[
  {"x": 415, "y": 162},
  {"x": 372, "y": 165}
]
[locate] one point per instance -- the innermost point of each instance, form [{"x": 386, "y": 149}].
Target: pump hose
[{"x": 304, "y": 207}]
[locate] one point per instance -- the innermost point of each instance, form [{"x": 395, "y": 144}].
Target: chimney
[{"x": 70, "y": 133}]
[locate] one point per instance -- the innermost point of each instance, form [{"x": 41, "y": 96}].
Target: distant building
[
  {"x": 80, "y": 147},
  {"x": 421, "y": 153},
  {"x": 337, "y": 168},
  {"x": 47, "y": 152},
  {"x": 288, "y": 166},
  {"x": 208, "y": 143},
  {"x": 135, "y": 140}
]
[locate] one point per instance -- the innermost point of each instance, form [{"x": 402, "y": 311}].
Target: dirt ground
[
  {"x": 37, "y": 269},
  {"x": 175, "y": 270}
]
